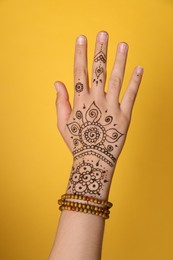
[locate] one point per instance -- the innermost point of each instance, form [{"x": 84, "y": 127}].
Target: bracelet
[
  {"x": 88, "y": 199},
  {"x": 83, "y": 205},
  {"x": 98, "y": 207},
  {"x": 85, "y": 208}
]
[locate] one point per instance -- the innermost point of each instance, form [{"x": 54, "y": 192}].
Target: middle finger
[{"x": 99, "y": 64}]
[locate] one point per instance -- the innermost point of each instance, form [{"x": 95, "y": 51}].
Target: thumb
[{"x": 63, "y": 106}]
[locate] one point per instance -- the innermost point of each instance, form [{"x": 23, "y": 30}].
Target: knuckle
[
  {"x": 79, "y": 70},
  {"x": 115, "y": 81},
  {"x": 131, "y": 96}
]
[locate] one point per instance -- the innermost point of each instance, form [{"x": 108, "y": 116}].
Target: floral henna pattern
[
  {"x": 79, "y": 87},
  {"x": 87, "y": 178},
  {"x": 95, "y": 134}
]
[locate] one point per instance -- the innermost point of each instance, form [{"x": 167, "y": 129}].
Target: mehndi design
[{"x": 94, "y": 134}]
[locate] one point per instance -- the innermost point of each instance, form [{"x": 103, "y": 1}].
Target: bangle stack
[{"x": 86, "y": 204}]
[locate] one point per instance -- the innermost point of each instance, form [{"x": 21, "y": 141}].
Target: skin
[{"x": 74, "y": 226}]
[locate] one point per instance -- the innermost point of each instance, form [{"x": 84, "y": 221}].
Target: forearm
[{"x": 79, "y": 234}]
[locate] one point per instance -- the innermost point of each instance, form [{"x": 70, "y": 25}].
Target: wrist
[{"x": 90, "y": 176}]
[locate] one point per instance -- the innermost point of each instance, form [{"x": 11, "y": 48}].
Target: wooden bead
[{"x": 86, "y": 207}]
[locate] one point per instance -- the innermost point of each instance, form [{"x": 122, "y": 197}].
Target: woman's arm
[{"x": 95, "y": 131}]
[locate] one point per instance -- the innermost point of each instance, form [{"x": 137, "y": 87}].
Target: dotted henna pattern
[
  {"x": 87, "y": 178},
  {"x": 90, "y": 136}
]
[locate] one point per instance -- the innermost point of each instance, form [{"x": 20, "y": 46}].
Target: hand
[{"x": 95, "y": 129}]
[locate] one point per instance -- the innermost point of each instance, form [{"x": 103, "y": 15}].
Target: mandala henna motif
[
  {"x": 92, "y": 137},
  {"x": 87, "y": 178},
  {"x": 79, "y": 87}
]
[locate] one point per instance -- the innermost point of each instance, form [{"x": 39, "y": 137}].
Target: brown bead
[
  {"x": 59, "y": 202},
  {"x": 88, "y": 198},
  {"x": 86, "y": 208},
  {"x": 109, "y": 204}
]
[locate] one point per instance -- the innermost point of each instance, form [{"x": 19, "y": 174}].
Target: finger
[
  {"x": 130, "y": 95},
  {"x": 63, "y": 106},
  {"x": 99, "y": 64},
  {"x": 117, "y": 75},
  {"x": 80, "y": 67}
]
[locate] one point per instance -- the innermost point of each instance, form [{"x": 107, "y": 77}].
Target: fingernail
[
  {"x": 139, "y": 71},
  {"x": 56, "y": 86},
  {"x": 81, "y": 39},
  {"x": 103, "y": 36},
  {"x": 123, "y": 47}
]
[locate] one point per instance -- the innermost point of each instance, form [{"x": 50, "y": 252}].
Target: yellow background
[{"x": 36, "y": 48}]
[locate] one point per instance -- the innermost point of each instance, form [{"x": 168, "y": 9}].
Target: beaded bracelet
[
  {"x": 88, "y": 199},
  {"x": 97, "y": 207},
  {"x": 83, "y": 205},
  {"x": 85, "y": 208}
]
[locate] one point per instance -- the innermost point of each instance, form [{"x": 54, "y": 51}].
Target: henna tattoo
[
  {"x": 92, "y": 136},
  {"x": 87, "y": 178},
  {"x": 100, "y": 57},
  {"x": 79, "y": 87},
  {"x": 98, "y": 71}
]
